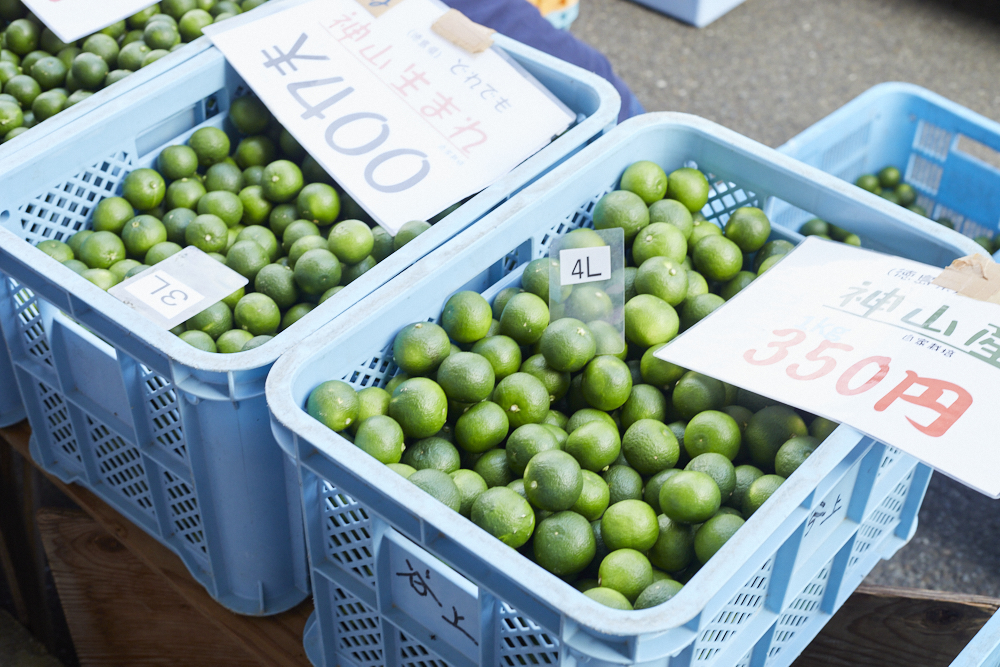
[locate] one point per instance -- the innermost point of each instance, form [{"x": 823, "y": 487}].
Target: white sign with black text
[
  {"x": 407, "y": 123},
  {"x": 72, "y": 19}
]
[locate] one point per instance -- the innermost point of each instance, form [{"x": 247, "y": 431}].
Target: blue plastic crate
[
  {"x": 766, "y": 594},
  {"x": 698, "y": 13},
  {"x": 175, "y": 438},
  {"x": 11, "y": 406},
  {"x": 949, "y": 154},
  {"x": 984, "y": 649}
]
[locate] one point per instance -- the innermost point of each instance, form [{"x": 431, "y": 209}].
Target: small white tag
[
  {"x": 72, "y": 19},
  {"x": 584, "y": 265},
  {"x": 164, "y": 293}
]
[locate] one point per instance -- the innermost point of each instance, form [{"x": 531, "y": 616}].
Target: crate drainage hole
[{"x": 4, "y": 216}]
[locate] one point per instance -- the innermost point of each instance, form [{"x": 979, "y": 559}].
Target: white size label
[
  {"x": 584, "y": 265},
  {"x": 406, "y": 122},
  {"x": 164, "y": 293},
  {"x": 72, "y": 19},
  {"x": 865, "y": 339}
]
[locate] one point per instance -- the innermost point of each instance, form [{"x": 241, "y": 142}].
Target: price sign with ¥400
[
  {"x": 868, "y": 340},
  {"x": 166, "y": 294},
  {"x": 406, "y": 122}
]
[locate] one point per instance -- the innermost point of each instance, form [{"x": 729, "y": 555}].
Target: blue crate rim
[
  {"x": 96, "y": 101},
  {"x": 873, "y": 94},
  {"x": 93, "y": 298},
  {"x": 691, "y": 600}
]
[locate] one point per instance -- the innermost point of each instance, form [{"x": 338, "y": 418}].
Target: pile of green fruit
[
  {"x": 40, "y": 75},
  {"x": 611, "y": 468},
  {"x": 265, "y": 208},
  {"x": 887, "y": 184},
  {"x": 825, "y": 230}
]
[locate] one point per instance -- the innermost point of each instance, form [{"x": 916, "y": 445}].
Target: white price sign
[
  {"x": 72, "y": 19},
  {"x": 864, "y": 339},
  {"x": 584, "y": 265},
  {"x": 166, "y": 294},
  {"x": 405, "y": 121}
]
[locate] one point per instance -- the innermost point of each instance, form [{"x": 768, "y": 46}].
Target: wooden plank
[
  {"x": 896, "y": 627},
  {"x": 275, "y": 641},
  {"x": 23, "y": 552},
  {"x": 119, "y": 611},
  {"x": 8, "y": 541}
]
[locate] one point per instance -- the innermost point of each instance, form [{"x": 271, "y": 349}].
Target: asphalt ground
[{"x": 771, "y": 68}]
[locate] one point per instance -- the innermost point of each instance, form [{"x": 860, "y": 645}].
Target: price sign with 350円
[{"x": 868, "y": 340}]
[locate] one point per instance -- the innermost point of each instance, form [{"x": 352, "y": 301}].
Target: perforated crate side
[
  {"x": 359, "y": 630},
  {"x": 523, "y": 642},
  {"x": 185, "y": 516},
  {"x": 347, "y": 531},
  {"x": 65, "y": 208},
  {"x": 880, "y": 521},
  {"x": 163, "y": 414},
  {"x": 798, "y": 616},
  {"x": 59, "y": 426},
  {"x": 31, "y": 331},
  {"x": 727, "y": 623},
  {"x": 120, "y": 465}
]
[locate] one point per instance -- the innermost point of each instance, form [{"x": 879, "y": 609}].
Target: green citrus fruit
[
  {"x": 624, "y": 209},
  {"x": 626, "y": 571},
  {"x": 689, "y": 187},
  {"x": 334, "y": 404},
  {"x": 690, "y": 497},
  {"x": 420, "y": 407},
  {"x": 504, "y": 514},
  {"x": 646, "y": 179},
  {"x": 649, "y": 446}
]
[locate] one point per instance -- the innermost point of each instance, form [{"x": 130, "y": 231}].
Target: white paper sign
[
  {"x": 165, "y": 293},
  {"x": 72, "y": 19},
  {"x": 584, "y": 265},
  {"x": 407, "y": 123},
  {"x": 864, "y": 339}
]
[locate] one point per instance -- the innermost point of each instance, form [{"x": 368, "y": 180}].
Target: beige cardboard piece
[
  {"x": 975, "y": 276},
  {"x": 462, "y": 32}
]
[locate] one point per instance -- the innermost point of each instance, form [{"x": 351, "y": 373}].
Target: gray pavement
[{"x": 771, "y": 68}]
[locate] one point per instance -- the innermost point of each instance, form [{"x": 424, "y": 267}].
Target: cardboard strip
[
  {"x": 975, "y": 276},
  {"x": 378, "y": 7},
  {"x": 462, "y": 32}
]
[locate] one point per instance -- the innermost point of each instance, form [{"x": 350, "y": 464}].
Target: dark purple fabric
[{"x": 520, "y": 20}]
